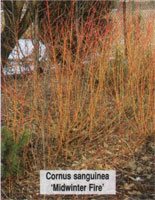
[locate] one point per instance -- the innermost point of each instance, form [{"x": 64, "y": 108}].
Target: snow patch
[{"x": 23, "y": 50}]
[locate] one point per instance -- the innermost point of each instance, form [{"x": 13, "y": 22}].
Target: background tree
[{"x": 19, "y": 15}]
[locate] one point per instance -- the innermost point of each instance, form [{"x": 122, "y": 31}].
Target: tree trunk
[{"x": 15, "y": 25}]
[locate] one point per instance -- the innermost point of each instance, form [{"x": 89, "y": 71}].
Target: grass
[{"x": 94, "y": 109}]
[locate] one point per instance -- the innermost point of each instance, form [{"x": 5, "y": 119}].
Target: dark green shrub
[{"x": 11, "y": 152}]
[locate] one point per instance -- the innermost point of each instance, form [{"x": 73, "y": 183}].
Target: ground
[{"x": 134, "y": 181}]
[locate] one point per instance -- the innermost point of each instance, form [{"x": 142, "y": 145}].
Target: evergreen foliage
[{"x": 11, "y": 152}]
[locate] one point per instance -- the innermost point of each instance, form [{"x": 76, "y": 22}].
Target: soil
[{"x": 135, "y": 181}]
